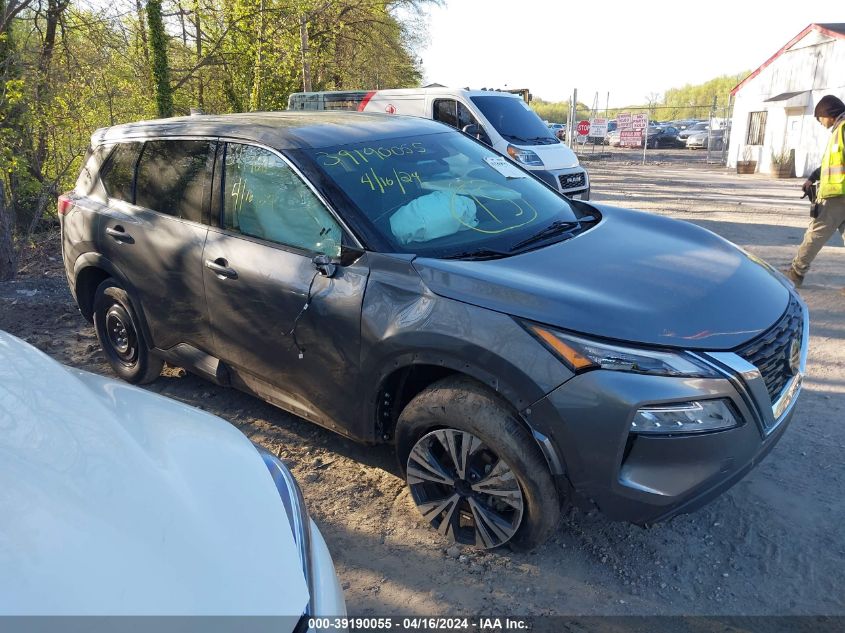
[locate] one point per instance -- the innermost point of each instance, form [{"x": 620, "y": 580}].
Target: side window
[
  {"x": 445, "y": 111},
  {"x": 173, "y": 177},
  {"x": 119, "y": 171},
  {"x": 264, "y": 198},
  {"x": 87, "y": 179},
  {"x": 466, "y": 117}
]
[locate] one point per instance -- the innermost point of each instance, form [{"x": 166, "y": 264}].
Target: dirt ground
[{"x": 772, "y": 545}]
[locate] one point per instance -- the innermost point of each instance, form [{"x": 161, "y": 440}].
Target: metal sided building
[{"x": 773, "y": 106}]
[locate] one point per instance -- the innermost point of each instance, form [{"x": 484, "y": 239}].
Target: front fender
[{"x": 404, "y": 324}]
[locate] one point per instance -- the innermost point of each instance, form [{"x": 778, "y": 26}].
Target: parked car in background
[
  {"x": 701, "y": 126},
  {"x": 612, "y": 138},
  {"x": 683, "y": 124},
  {"x": 558, "y": 129},
  {"x": 397, "y": 281},
  {"x": 118, "y": 501},
  {"x": 714, "y": 139},
  {"x": 664, "y": 136}
]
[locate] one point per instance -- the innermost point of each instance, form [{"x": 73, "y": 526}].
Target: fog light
[{"x": 685, "y": 417}]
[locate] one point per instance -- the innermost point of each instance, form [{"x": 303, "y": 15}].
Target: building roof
[{"x": 836, "y": 30}]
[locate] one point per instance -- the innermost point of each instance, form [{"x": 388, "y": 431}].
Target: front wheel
[
  {"x": 474, "y": 472},
  {"x": 121, "y": 337}
]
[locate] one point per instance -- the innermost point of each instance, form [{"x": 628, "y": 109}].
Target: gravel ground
[{"x": 772, "y": 545}]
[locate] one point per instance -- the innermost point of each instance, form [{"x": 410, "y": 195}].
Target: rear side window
[
  {"x": 173, "y": 177},
  {"x": 119, "y": 171},
  {"x": 445, "y": 111}
]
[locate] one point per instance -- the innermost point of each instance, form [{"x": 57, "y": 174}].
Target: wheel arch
[
  {"x": 89, "y": 271},
  {"x": 413, "y": 375}
]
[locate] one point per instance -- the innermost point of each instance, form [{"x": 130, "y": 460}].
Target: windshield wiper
[
  {"x": 555, "y": 228},
  {"x": 511, "y": 137},
  {"x": 481, "y": 253}
]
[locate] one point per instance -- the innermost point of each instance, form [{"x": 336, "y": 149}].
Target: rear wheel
[
  {"x": 121, "y": 337},
  {"x": 474, "y": 472}
]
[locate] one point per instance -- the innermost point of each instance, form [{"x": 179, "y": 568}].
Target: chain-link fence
[{"x": 693, "y": 134}]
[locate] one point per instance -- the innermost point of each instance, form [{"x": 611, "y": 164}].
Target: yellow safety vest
[{"x": 832, "y": 182}]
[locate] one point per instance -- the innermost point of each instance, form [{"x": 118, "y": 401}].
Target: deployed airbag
[{"x": 431, "y": 216}]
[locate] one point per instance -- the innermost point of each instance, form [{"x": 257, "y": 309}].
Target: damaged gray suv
[{"x": 395, "y": 281}]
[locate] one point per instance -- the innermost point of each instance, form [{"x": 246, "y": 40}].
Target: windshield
[
  {"x": 441, "y": 195},
  {"x": 514, "y": 120}
]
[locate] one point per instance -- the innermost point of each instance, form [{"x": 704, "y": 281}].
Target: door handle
[
  {"x": 119, "y": 234},
  {"x": 220, "y": 267}
]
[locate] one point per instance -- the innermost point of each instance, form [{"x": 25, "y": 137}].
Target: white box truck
[{"x": 500, "y": 119}]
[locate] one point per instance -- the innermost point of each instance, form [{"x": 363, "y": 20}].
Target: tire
[
  {"x": 121, "y": 337},
  {"x": 459, "y": 417}
]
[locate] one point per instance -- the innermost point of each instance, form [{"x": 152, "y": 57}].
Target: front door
[{"x": 291, "y": 333}]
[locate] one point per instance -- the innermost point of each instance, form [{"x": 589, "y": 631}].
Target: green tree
[{"x": 160, "y": 66}]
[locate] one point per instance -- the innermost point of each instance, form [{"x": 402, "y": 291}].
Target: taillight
[{"x": 65, "y": 205}]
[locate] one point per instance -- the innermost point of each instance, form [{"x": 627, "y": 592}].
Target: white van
[{"x": 500, "y": 119}]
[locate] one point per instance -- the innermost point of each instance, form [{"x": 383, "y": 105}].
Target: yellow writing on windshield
[
  {"x": 361, "y": 158},
  {"x": 513, "y": 214},
  {"x": 382, "y": 183}
]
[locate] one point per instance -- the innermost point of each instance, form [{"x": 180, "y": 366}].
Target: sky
[{"x": 630, "y": 50}]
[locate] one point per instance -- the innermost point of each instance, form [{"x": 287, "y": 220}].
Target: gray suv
[{"x": 394, "y": 280}]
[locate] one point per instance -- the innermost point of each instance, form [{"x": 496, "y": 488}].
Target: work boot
[{"x": 793, "y": 276}]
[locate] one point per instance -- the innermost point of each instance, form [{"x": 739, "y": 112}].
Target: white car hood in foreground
[{"x": 116, "y": 501}]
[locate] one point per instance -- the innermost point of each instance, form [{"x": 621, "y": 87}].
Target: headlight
[
  {"x": 582, "y": 354},
  {"x": 298, "y": 517},
  {"x": 524, "y": 156},
  {"x": 685, "y": 417}
]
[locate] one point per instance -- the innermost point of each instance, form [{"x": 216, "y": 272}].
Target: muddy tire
[
  {"x": 121, "y": 337},
  {"x": 474, "y": 472}
]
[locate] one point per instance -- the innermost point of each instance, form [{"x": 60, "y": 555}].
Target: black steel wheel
[
  {"x": 473, "y": 470},
  {"x": 464, "y": 489},
  {"x": 120, "y": 335}
]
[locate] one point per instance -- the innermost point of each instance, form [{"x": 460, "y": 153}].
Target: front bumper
[{"x": 644, "y": 479}]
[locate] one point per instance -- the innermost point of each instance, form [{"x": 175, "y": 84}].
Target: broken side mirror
[{"x": 324, "y": 265}]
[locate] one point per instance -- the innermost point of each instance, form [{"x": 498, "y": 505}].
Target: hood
[
  {"x": 553, "y": 155},
  {"x": 634, "y": 277},
  {"x": 116, "y": 501}
]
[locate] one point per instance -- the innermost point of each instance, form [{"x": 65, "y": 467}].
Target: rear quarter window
[
  {"x": 118, "y": 173},
  {"x": 86, "y": 182}
]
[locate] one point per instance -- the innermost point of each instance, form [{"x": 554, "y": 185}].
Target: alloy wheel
[{"x": 464, "y": 489}]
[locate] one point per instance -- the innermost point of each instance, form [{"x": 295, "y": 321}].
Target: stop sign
[{"x": 583, "y": 128}]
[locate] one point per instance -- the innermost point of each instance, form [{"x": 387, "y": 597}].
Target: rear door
[
  {"x": 291, "y": 333},
  {"x": 154, "y": 231}
]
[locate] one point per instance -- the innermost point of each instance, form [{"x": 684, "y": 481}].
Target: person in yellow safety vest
[{"x": 830, "y": 214}]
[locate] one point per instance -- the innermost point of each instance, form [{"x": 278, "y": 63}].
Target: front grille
[
  {"x": 777, "y": 352},
  {"x": 572, "y": 181}
]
